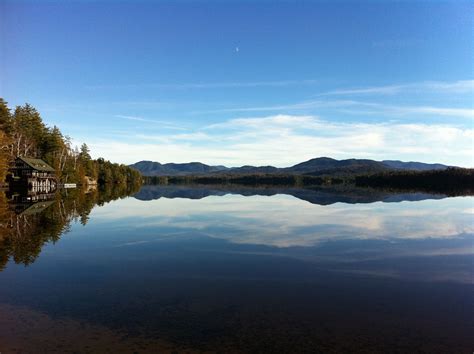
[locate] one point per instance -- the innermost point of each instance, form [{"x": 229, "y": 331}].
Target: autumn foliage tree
[
  {"x": 23, "y": 133},
  {"x": 5, "y": 139}
]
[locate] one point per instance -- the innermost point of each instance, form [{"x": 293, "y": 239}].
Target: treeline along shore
[
  {"x": 453, "y": 180},
  {"x": 449, "y": 181},
  {"x": 24, "y": 134}
]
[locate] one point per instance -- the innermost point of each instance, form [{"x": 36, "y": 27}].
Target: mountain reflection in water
[
  {"x": 322, "y": 195},
  {"x": 189, "y": 268}
]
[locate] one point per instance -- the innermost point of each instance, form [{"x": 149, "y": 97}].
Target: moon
[{"x": 237, "y": 49}]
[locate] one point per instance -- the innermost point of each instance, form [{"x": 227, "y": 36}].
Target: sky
[{"x": 250, "y": 82}]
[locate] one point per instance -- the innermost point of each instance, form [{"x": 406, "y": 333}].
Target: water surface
[{"x": 211, "y": 269}]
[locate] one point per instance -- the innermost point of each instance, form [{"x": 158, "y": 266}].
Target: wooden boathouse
[{"x": 35, "y": 174}]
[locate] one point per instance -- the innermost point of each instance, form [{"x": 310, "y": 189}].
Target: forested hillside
[
  {"x": 319, "y": 166},
  {"x": 23, "y": 133}
]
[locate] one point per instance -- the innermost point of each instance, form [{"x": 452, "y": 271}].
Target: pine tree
[{"x": 85, "y": 153}]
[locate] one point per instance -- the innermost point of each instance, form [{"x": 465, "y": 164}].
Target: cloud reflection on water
[{"x": 285, "y": 221}]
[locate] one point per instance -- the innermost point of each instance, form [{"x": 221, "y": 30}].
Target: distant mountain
[
  {"x": 253, "y": 169},
  {"x": 317, "y": 166},
  {"x": 326, "y": 165},
  {"x": 150, "y": 168},
  {"x": 415, "y": 166}
]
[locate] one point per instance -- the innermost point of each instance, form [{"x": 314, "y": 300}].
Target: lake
[{"x": 237, "y": 269}]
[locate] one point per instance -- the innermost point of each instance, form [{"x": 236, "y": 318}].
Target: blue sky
[{"x": 247, "y": 82}]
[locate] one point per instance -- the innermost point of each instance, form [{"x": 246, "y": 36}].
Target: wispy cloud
[
  {"x": 303, "y": 105},
  {"x": 165, "y": 124},
  {"x": 440, "y": 111},
  {"x": 455, "y": 87},
  {"x": 134, "y": 118},
  {"x": 206, "y": 85},
  {"x": 356, "y": 107}
]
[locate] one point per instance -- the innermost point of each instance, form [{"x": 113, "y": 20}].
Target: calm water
[{"x": 190, "y": 269}]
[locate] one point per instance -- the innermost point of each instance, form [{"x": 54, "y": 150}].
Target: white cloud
[
  {"x": 284, "y": 140},
  {"x": 451, "y": 112}
]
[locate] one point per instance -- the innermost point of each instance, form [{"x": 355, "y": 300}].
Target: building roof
[{"x": 37, "y": 164}]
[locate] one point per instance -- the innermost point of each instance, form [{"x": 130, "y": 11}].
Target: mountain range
[{"x": 316, "y": 166}]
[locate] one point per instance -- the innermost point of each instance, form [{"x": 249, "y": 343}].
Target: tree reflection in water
[{"x": 29, "y": 221}]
